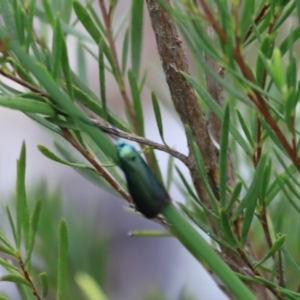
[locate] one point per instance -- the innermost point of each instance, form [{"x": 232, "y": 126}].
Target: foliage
[{"x": 249, "y": 217}]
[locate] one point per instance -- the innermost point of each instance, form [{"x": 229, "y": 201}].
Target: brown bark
[{"x": 185, "y": 101}]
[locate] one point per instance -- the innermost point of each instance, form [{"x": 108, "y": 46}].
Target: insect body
[{"x": 147, "y": 192}]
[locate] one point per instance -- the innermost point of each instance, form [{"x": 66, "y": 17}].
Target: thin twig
[
  {"x": 27, "y": 277},
  {"x": 101, "y": 170},
  {"x": 142, "y": 140},
  {"x": 257, "y": 20},
  {"x": 107, "y": 21}
]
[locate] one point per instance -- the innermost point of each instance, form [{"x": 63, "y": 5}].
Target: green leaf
[
  {"x": 149, "y": 233},
  {"x": 44, "y": 150},
  {"x": 8, "y": 17},
  {"x": 186, "y": 185},
  {"x": 226, "y": 228},
  {"x": 5, "y": 241},
  {"x": 204, "y": 228},
  {"x": 65, "y": 65},
  {"x": 250, "y": 199},
  {"x": 234, "y": 196},
  {"x": 66, "y": 10},
  {"x": 81, "y": 66},
  {"x": 48, "y": 12},
  {"x": 90, "y": 287},
  {"x": 202, "y": 251},
  {"x": 266, "y": 49},
  {"x": 137, "y": 104},
  {"x": 12, "y": 225},
  {"x": 217, "y": 110},
  {"x": 27, "y": 105},
  {"x": 291, "y": 260},
  {"x": 33, "y": 229},
  {"x": 158, "y": 118},
  {"x": 102, "y": 79},
  {"x": 137, "y": 14},
  {"x": 86, "y": 21},
  {"x": 15, "y": 278},
  {"x": 7, "y": 251},
  {"x": 19, "y": 22},
  {"x": 223, "y": 156},
  {"x": 201, "y": 169},
  {"x": 125, "y": 51},
  {"x": 8, "y": 266},
  {"x": 21, "y": 205},
  {"x": 246, "y": 16},
  {"x": 56, "y": 50},
  {"x": 64, "y": 101},
  {"x": 29, "y": 23},
  {"x": 245, "y": 128},
  {"x": 276, "y": 247},
  {"x": 62, "y": 260},
  {"x": 170, "y": 172},
  {"x": 45, "y": 285}
]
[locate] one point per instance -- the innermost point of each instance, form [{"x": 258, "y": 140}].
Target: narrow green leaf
[
  {"x": 15, "y": 278},
  {"x": 149, "y": 233},
  {"x": 253, "y": 191},
  {"x": 202, "y": 251},
  {"x": 13, "y": 227},
  {"x": 8, "y": 266},
  {"x": 44, "y": 123},
  {"x": 217, "y": 110},
  {"x": 276, "y": 247},
  {"x": 48, "y": 12},
  {"x": 251, "y": 199},
  {"x": 33, "y": 229},
  {"x": 44, "y": 150},
  {"x": 62, "y": 260},
  {"x": 245, "y": 128},
  {"x": 7, "y": 251},
  {"x": 170, "y": 172},
  {"x": 291, "y": 260},
  {"x": 266, "y": 49},
  {"x": 201, "y": 169},
  {"x": 137, "y": 104},
  {"x": 204, "y": 228},
  {"x": 19, "y": 22},
  {"x": 102, "y": 79},
  {"x": 81, "y": 64},
  {"x": 27, "y": 105},
  {"x": 226, "y": 228},
  {"x": 64, "y": 101},
  {"x": 86, "y": 21},
  {"x": 65, "y": 65},
  {"x": 5, "y": 241},
  {"x": 66, "y": 10},
  {"x": 8, "y": 17},
  {"x": 45, "y": 285},
  {"x": 246, "y": 16},
  {"x": 125, "y": 51},
  {"x": 158, "y": 118},
  {"x": 56, "y": 50},
  {"x": 29, "y": 24},
  {"x": 234, "y": 196},
  {"x": 186, "y": 185},
  {"x": 21, "y": 204},
  {"x": 137, "y": 15},
  {"x": 90, "y": 287},
  {"x": 91, "y": 102},
  {"x": 223, "y": 156}
]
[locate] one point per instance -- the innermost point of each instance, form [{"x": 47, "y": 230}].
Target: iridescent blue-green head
[
  {"x": 126, "y": 151},
  {"x": 147, "y": 192}
]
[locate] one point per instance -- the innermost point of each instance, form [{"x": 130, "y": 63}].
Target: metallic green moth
[{"x": 147, "y": 192}]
